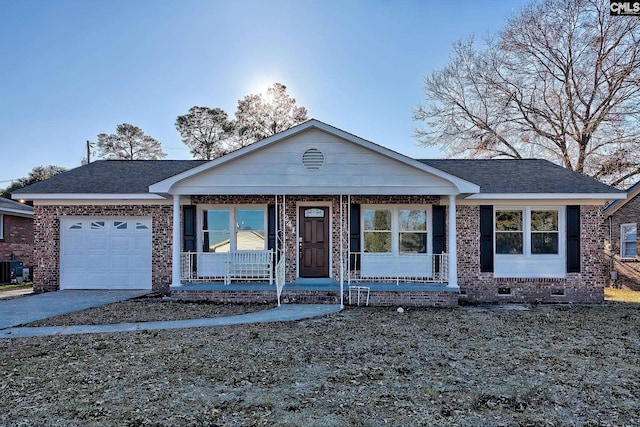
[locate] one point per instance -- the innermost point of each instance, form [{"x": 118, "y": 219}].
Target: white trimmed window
[
  {"x": 628, "y": 240},
  {"x": 529, "y": 241},
  {"x": 527, "y": 231},
  {"x": 1, "y": 227},
  {"x": 233, "y": 228},
  {"x": 396, "y": 229}
]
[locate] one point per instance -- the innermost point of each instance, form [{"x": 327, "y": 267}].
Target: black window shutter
[
  {"x": 573, "y": 239},
  {"x": 271, "y": 227},
  {"x": 486, "y": 238},
  {"x": 439, "y": 238},
  {"x": 189, "y": 231},
  {"x": 354, "y": 237}
]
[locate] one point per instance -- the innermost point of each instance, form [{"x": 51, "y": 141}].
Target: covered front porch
[
  {"x": 317, "y": 249},
  {"x": 314, "y": 203}
]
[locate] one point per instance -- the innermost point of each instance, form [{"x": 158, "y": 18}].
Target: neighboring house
[
  {"x": 16, "y": 231},
  {"x": 337, "y": 210},
  {"x": 621, "y": 246}
]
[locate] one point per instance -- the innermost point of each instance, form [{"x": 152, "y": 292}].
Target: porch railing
[
  {"x": 405, "y": 268},
  {"x": 226, "y": 266}
]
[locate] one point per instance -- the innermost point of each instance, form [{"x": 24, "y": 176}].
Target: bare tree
[
  {"x": 206, "y": 131},
  {"x": 561, "y": 82},
  {"x": 260, "y": 116},
  {"x": 129, "y": 143},
  {"x": 37, "y": 174}
]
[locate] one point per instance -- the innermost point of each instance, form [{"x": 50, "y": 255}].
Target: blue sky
[{"x": 71, "y": 69}]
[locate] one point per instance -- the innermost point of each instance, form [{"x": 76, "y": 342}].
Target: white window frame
[
  {"x": 1, "y": 226},
  {"x": 624, "y": 243},
  {"x": 528, "y": 264},
  {"x": 233, "y": 229},
  {"x": 395, "y": 226}
]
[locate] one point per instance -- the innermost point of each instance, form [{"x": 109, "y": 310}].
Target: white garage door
[{"x": 105, "y": 253}]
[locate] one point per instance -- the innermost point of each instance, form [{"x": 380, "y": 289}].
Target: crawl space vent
[{"x": 313, "y": 159}]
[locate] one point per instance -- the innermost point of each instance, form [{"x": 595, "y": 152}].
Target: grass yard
[
  {"x": 470, "y": 366},
  {"x": 621, "y": 295}
]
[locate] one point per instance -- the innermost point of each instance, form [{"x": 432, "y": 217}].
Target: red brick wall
[
  {"x": 46, "y": 269},
  {"x": 628, "y": 271},
  {"x": 586, "y": 286},
  {"x": 17, "y": 239}
]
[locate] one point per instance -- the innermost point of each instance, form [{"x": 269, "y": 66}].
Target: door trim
[{"x": 321, "y": 204}]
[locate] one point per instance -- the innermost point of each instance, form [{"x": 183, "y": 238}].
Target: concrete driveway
[{"x": 29, "y": 308}]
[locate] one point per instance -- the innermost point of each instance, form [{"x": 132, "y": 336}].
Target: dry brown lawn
[{"x": 545, "y": 365}]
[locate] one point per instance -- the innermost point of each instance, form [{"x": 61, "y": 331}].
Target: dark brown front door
[{"x": 314, "y": 242}]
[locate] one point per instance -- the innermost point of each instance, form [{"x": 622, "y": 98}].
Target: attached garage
[{"x": 105, "y": 253}]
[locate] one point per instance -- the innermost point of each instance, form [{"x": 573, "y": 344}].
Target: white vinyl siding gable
[{"x": 315, "y": 162}]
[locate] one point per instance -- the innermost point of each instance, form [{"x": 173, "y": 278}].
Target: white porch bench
[{"x": 249, "y": 265}]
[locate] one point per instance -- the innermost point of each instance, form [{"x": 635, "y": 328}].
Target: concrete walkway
[
  {"x": 29, "y": 308},
  {"x": 285, "y": 313}
]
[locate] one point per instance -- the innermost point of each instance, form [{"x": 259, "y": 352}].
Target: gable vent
[{"x": 313, "y": 159}]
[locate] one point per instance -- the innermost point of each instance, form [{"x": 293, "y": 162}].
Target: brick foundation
[{"x": 377, "y": 298}]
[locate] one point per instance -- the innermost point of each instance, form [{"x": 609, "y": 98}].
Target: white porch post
[
  {"x": 452, "y": 252},
  {"x": 175, "y": 262}
]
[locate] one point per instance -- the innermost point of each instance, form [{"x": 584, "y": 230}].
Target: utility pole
[{"x": 88, "y": 152}]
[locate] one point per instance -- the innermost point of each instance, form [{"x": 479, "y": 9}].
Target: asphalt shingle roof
[
  {"x": 14, "y": 206},
  {"x": 111, "y": 177},
  {"x": 527, "y": 176},
  {"x": 493, "y": 176}
]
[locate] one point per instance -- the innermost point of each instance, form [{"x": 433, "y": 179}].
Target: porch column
[
  {"x": 175, "y": 260},
  {"x": 453, "y": 251}
]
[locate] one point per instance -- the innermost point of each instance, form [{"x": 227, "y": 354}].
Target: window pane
[
  {"x": 250, "y": 219},
  {"x": 377, "y": 219},
  {"x": 415, "y": 243},
  {"x": 413, "y": 220},
  {"x": 508, "y": 220},
  {"x": 377, "y": 242},
  {"x": 629, "y": 250},
  {"x": 250, "y": 233},
  {"x": 629, "y": 233},
  {"x": 544, "y": 243},
  {"x": 217, "y": 241},
  {"x": 217, "y": 220},
  {"x": 250, "y": 240},
  {"x": 629, "y": 238},
  {"x": 216, "y": 231},
  {"x": 509, "y": 243},
  {"x": 544, "y": 220}
]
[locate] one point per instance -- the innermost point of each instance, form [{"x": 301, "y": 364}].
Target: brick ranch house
[
  {"x": 621, "y": 245},
  {"x": 16, "y": 231},
  {"x": 333, "y": 211}
]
